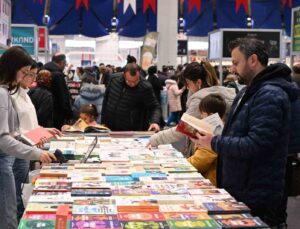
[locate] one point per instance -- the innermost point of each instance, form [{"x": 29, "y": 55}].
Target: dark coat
[
  {"x": 125, "y": 108},
  {"x": 155, "y": 82},
  {"x": 253, "y": 148},
  {"x": 61, "y": 97},
  {"x": 42, "y": 100}
]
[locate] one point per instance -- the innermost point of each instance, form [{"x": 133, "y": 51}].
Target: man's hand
[
  {"x": 47, "y": 157},
  {"x": 155, "y": 127},
  {"x": 203, "y": 140}
]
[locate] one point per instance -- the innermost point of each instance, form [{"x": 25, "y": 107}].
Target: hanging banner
[
  {"x": 151, "y": 3},
  {"x": 296, "y": 31},
  {"x": 149, "y": 50},
  {"x": 5, "y": 15},
  {"x": 26, "y": 37},
  {"x": 131, "y": 3},
  {"x": 43, "y": 38}
]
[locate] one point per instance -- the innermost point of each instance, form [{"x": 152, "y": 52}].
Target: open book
[
  {"x": 189, "y": 125},
  {"x": 82, "y": 127},
  {"x": 34, "y": 136}
]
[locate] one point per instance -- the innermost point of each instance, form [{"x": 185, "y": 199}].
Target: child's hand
[{"x": 65, "y": 127}]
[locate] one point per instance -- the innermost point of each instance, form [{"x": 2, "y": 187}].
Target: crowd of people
[{"x": 249, "y": 159}]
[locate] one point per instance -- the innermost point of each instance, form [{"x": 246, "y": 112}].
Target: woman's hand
[{"x": 47, "y": 157}]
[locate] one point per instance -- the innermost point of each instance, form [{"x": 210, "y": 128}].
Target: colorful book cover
[
  {"x": 130, "y": 192},
  {"x": 181, "y": 208},
  {"x": 232, "y": 216},
  {"x": 90, "y": 184},
  {"x": 40, "y": 216},
  {"x": 242, "y": 223},
  {"x": 201, "y": 223},
  {"x": 33, "y": 224},
  {"x": 94, "y": 201},
  {"x": 34, "y": 136},
  {"x": 145, "y": 224},
  {"x": 91, "y": 192},
  {"x": 94, "y": 217},
  {"x": 226, "y": 207},
  {"x": 42, "y": 208},
  {"x": 118, "y": 178},
  {"x": 94, "y": 209},
  {"x": 62, "y": 213},
  {"x": 97, "y": 224},
  {"x": 186, "y": 215},
  {"x": 141, "y": 216}
]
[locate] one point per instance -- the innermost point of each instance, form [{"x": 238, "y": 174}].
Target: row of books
[{"x": 152, "y": 189}]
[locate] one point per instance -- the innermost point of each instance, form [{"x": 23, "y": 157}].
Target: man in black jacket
[
  {"x": 129, "y": 103},
  {"x": 62, "y": 111}
]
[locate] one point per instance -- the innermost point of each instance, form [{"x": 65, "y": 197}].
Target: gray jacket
[
  {"x": 8, "y": 126},
  {"x": 171, "y": 135}
]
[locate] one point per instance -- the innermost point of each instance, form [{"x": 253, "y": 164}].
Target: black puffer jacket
[
  {"x": 126, "y": 108},
  {"x": 61, "y": 97},
  {"x": 253, "y": 148},
  {"x": 42, "y": 100}
]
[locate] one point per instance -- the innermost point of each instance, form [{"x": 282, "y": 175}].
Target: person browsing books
[
  {"x": 253, "y": 147},
  {"x": 15, "y": 64},
  {"x": 204, "y": 159},
  {"x": 87, "y": 114},
  {"x": 129, "y": 103},
  {"x": 201, "y": 80}
]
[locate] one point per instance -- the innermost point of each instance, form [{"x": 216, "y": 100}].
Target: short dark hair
[
  {"x": 12, "y": 60},
  {"x": 296, "y": 68},
  {"x": 249, "y": 46},
  {"x": 213, "y": 103},
  {"x": 152, "y": 70},
  {"x": 131, "y": 59},
  {"x": 57, "y": 58},
  {"x": 89, "y": 79},
  {"x": 89, "y": 109},
  {"x": 132, "y": 68}
]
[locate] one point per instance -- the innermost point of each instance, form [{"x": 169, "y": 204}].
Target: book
[
  {"x": 189, "y": 125},
  {"x": 232, "y": 216},
  {"x": 94, "y": 209},
  {"x": 36, "y": 223},
  {"x": 94, "y": 217},
  {"x": 200, "y": 223},
  {"x": 91, "y": 192},
  {"x": 42, "y": 208},
  {"x": 62, "y": 213},
  {"x": 242, "y": 223},
  {"x": 225, "y": 207},
  {"x": 97, "y": 224},
  {"x": 82, "y": 127},
  {"x": 34, "y": 136},
  {"x": 145, "y": 224},
  {"x": 186, "y": 215},
  {"x": 94, "y": 201},
  {"x": 141, "y": 216}
]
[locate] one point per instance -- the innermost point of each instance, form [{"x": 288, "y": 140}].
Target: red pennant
[
  {"x": 238, "y": 4},
  {"x": 152, "y": 3},
  {"x": 196, "y": 3},
  {"x": 85, "y": 3},
  {"x": 285, "y": 1}
]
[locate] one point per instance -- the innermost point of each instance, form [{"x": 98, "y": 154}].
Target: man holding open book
[{"x": 253, "y": 147}]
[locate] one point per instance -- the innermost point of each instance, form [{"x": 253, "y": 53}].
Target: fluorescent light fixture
[
  {"x": 80, "y": 43},
  {"x": 198, "y": 45},
  {"x": 130, "y": 44}
]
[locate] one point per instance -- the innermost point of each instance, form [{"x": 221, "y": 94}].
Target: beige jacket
[{"x": 174, "y": 94}]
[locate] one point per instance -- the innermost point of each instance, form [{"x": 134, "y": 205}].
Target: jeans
[
  {"x": 174, "y": 116},
  {"x": 8, "y": 205},
  {"x": 20, "y": 169}
]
